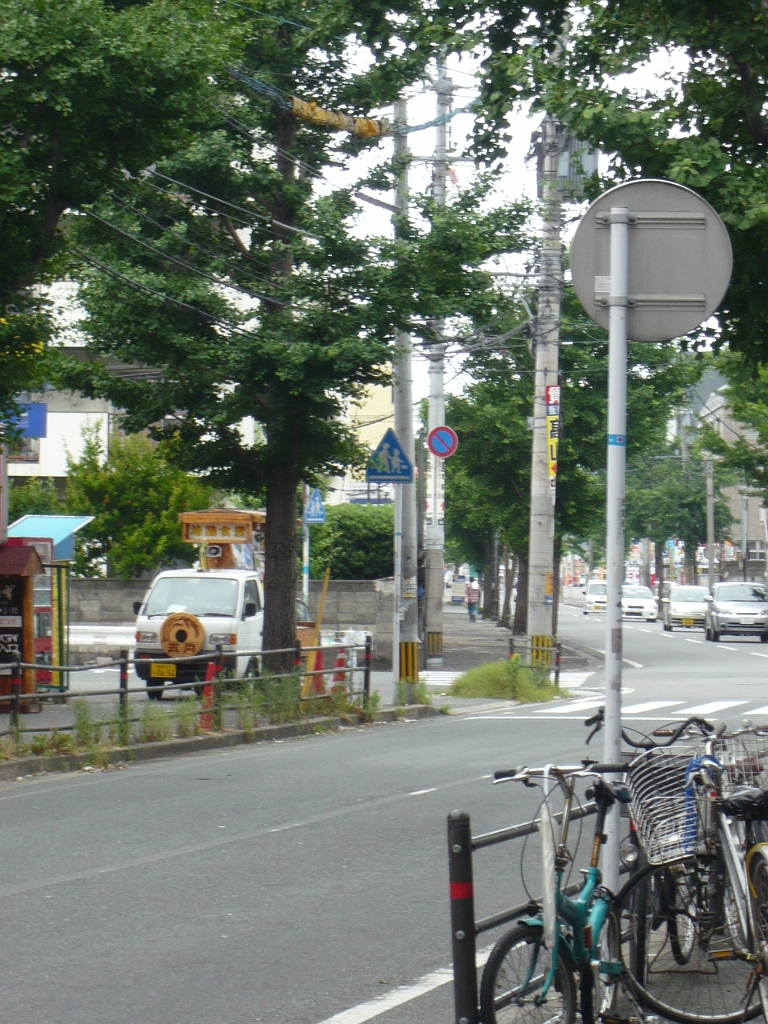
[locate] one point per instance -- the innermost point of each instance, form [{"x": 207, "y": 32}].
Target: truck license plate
[
  {"x": 160, "y": 671},
  {"x": 687, "y": 622}
]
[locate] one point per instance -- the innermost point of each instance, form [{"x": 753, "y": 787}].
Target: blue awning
[{"x": 60, "y": 529}]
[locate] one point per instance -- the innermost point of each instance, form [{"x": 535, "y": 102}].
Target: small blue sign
[
  {"x": 315, "y": 510},
  {"x": 389, "y": 464},
  {"x": 33, "y": 420}
]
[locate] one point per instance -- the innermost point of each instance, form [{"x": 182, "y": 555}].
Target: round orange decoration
[{"x": 182, "y": 635}]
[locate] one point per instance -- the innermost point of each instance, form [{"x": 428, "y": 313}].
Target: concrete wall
[{"x": 104, "y": 601}]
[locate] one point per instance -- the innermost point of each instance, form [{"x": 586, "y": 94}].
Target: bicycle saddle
[{"x": 747, "y": 802}]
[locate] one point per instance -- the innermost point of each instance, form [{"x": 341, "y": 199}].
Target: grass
[{"x": 506, "y": 680}]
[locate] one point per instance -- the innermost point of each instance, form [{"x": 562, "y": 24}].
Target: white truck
[{"x": 228, "y": 604}]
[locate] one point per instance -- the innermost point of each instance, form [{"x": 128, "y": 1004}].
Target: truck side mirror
[
  {"x": 136, "y": 607},
  {"x": 250, "y": 609}
]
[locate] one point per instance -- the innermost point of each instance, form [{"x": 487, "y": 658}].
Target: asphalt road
[{"x": 295, "y": 882}]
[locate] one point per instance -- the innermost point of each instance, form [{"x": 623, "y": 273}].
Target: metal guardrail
[
  {"x": 15, "y": 699},
  {"x": 464, "y": 927}
]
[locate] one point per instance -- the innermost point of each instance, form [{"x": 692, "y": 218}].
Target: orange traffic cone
[
  {"x": 206, "y": 714},
  {"x": 318, "y": 681},
  {"x": 340, "y": 675}
]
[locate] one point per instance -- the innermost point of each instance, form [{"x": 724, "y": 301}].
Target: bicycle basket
[
  {"x": 664, "y": 819},
  {"x": 744, "y": 759}
]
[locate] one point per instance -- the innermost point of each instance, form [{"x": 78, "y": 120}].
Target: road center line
[
  {"x": 421, "y": 792},
  {"x": 402, "y": 994},
  {"x": 756, "y": 655},
  {"x": 690, "y": 640}
]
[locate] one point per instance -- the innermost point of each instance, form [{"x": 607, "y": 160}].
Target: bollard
[
  {"x": 15, "y": 696},
  {"x": 462, "y": 918},
  {"x": 123, "y": 699},
  {"x": 367, "y": 668},
  {"x": 511, "y": 646},
  {"x": 558, "y": 659}
]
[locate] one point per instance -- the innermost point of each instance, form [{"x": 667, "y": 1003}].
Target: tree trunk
[
  {"x": 520, "y": 625},
  {"x": 658, "y": 558},
  {"x": 488, "y": 581},
  {"x": 280, "y": 557},
  {"x": 509, "y": 576}
]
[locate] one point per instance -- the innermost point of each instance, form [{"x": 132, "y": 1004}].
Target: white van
[
  {"x": 595, "y": 596},
  {"x": 229, "y": 605}
]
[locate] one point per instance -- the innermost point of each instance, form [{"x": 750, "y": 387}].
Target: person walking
[{"x": 472, "y": 597}]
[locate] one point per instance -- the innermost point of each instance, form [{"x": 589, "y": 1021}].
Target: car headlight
[
  {"x": 223, "y": 638},
  {"x": 145, "y": 637}
]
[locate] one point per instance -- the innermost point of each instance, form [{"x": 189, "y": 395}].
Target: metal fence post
[
  {"x": 123, "y": 698},
  {"x": 462, "y": 918},
  {"x": 15, "y": 696},
  {"x": 367, "y": 668}
]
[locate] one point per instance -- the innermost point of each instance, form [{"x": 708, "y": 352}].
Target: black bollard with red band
[{"x": 462, "y": 918}]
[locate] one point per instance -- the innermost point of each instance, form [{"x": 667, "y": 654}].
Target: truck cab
[{"x": 229, "y": 606}]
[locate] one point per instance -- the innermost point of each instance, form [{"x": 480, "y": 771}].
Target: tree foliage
[
  {"x": 135, "y": 494},
  {"x": 355, "y": 542},
  {"x": 34, "y": 496}
]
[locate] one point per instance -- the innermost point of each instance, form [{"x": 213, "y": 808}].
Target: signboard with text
[{"x": 553, "y": 431}]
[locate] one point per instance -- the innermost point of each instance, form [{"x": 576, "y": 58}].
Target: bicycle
[
  {"x": 693, "y": 922},
  {"x": 530, "y": 974}
]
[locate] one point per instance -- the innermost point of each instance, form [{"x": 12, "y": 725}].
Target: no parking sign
[{"x": 442, "y": 442}]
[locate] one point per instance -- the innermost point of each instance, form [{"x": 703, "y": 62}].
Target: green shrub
[
  {"x": 505, "y": 680},
  {"x": 186, "y": 712},
  {"x": 83, "y": 727},
  {"x": 154, "y": 724}
]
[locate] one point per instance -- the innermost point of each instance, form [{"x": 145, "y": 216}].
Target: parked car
[
  {"x": 228, "y": 605},
  {"x": 739, "y": 609},
  {"x": 684, "y": 606},
  {"x": 595, "y": 595},
  {"x": 638, "y": 603}
]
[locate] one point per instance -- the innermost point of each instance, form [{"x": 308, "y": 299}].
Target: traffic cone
[
  {"x": 340, "y": 676},
  {"x": 319, "y": 680},
  {"x": 206, "y": 714}
]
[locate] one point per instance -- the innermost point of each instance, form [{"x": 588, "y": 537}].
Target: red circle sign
[{"x": 442, "y": 442}]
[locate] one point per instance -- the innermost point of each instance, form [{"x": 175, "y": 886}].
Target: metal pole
[
  {"x": 434, "y": 534},
  {"x": 744, "y": 531},
  {"x": 123, "y": 723},
  {"x": 367, "y": 668},
  {"x": 397, "y": 589},
  {"x": 403, "y": 376},
  {"x": 305, "y": 550},
  {"x": 617, "y": 458},
  {"x": 462, "y": 917},
  {"x": 16, "y": 676},
  {"x": 709, "y": 469},
  {"x": 542, "y": 525}
]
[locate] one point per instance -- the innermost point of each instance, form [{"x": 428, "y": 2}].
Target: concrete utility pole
[
  {"x": 744, "y": 531},
  {"x": 709, "y": 470},
  {"x": 434, "y": 532},
  {"x": 403, "y": 381},
  {"x": 542, "y": 526}
]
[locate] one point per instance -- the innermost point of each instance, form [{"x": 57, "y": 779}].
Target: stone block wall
[{"x": 104, "y": 601}]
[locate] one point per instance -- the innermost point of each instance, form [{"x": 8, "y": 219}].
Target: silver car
[
  {"x": 737, "y": 609},
  {"x": 685, "y": 606}
]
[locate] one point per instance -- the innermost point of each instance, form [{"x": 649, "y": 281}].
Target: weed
[
  {"x": 186, "y": 713},
  {"x": 367, "y": 707},
  {"x": 154, "y": 724},
  {"x": 83, "y": 727},
  {"x": 421, "y": 694},
  {"x": 445, "y": 709},
  {"x": 281, "y": 698},
  {"x": 61, "y": 742},
  {"x": 505, "y": 680},
  {"x": 39, "y": 744}
]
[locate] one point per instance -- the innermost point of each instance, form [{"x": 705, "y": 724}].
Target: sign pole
[
  {"x": 617, "y": 460},
  {"x": 397, "y": 592},
  {"x": 305, "y": 550}
]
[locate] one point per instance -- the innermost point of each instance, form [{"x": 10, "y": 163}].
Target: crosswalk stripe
[
  {"x": 760, "y": 711},
  {"x": 711, "y": 708},
  {"x": 651, "y": 705},
  {"x": 567, "y": 709}
]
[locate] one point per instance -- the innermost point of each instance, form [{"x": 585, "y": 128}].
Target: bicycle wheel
[
  {"x": 671, "y": 959},
  {"x": 757, "y": 862},
  {"x": 513, "y": 978}
]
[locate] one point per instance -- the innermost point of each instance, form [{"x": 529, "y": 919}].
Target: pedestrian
[{"x": 472, "y": 597}]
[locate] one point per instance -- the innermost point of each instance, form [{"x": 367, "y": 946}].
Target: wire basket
[
  {"x": 744, "y": 759},
  {"x": 664, "y": 817}
]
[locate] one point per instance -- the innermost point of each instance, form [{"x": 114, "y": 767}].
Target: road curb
[{"x": 47, "y": 763}]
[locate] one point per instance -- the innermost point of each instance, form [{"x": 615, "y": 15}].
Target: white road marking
[
  {"x": 647, "y": 630},
  {"x": 760, "y": 711},
  {"x": 632, "y": 664},
  {"x": 688, "y": 640},
  {"x": 583, "y": 705},
  {"x": 668, "y": 636},
  {"x": 421, "y": 792},
  {"x": 650, "y": 705},
  {"x": 755, "y": 654},
  {"x": 400, "y": 995},
  {"x": 722, "y": 647},
  {"x": 711, "y": 708}
]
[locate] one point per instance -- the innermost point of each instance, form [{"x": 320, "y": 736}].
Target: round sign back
[
  {"x": 182, "y": 635},
  {"x": 680, "y": 259}
]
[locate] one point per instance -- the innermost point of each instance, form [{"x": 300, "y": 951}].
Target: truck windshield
[
  {"x": 201, "y": 595},
  {"x": 597, "y": 589}
]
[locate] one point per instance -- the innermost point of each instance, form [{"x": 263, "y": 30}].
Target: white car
[
  {"x": 638, "y": 603},
  {"x": 685, "y": 606},
  {"x": 595, "y": 596},
  {"x": 228, "y": 605}
]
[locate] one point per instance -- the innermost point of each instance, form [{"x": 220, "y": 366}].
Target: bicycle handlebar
[{"x": 672, "y": 736}]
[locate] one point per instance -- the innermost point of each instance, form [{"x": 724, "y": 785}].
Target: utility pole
[
  {"x": 542, "y": 526},
  {"x": 434, "y": 532},
  {"x": 709, "y": 470},
  {"x": 744, "y": 530},
  {"x": 406, "y": 603}
]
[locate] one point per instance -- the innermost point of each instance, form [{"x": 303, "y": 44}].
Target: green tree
[
  {"x": 355, "y": 541},
  {"x": 135, "y": 495},
  {"x": 704, "y": 125},
  {"x": 90, "y": 88},
  {"x": 35, "y": 496},
  {"x": 246, "y": 293}
]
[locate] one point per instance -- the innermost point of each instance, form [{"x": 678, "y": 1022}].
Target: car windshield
[
  {"x": 598, "y": 588},
  {"x": 742, "y": 592},
  {"x": 689, "y": 595},
  {"x": 201, "y": 595},
  {"x": 643, "y": 592}
]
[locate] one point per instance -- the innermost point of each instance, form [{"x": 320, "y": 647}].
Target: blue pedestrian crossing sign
[
  {"x": 389, "y": 464},
  {"x": 315, "y": 510}
]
